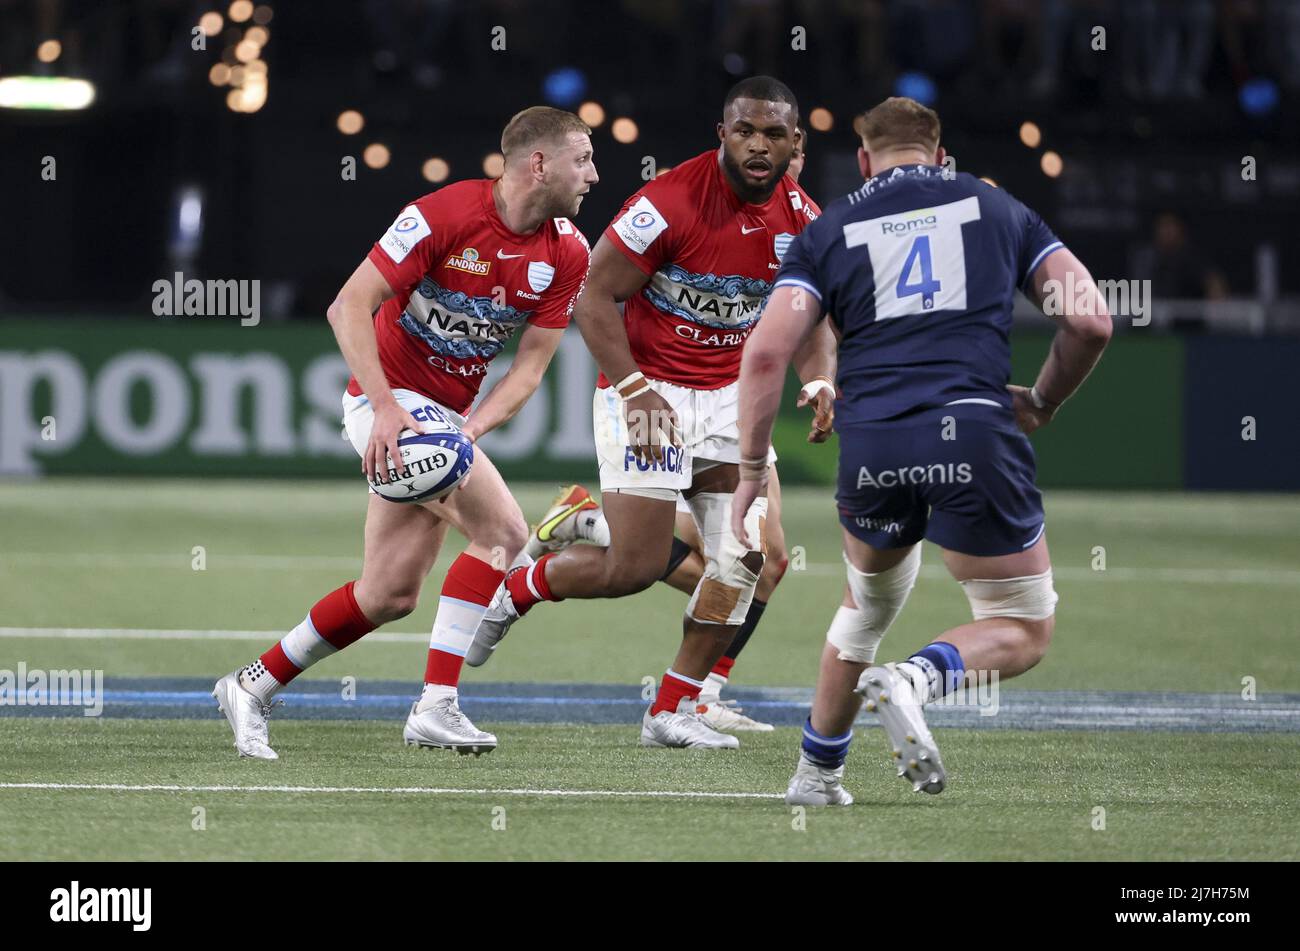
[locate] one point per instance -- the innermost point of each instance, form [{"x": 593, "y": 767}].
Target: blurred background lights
[
  {"x": 1052, "y": 164},
  {"x": 262, "y": 15},
  {"x": 916, "y": 85},
  {"x": 435, "y": 170},
  {"x": 592, "y": 113},
  {"x": 210, "y": 23},
  {"x": 624, "y": 130},
  {"x": 49, "y": 51},
  {"x": 241, "y": 10},
  {"x": 494, "y": 163},
  {"x": 565, "y": 86},
  {"x": 1258, "y": 97},
  {"x": 1030, "y": 134},
  {"x": 350, "y": 122},
  {"x": 219, "y": 74},
  {"x": 821, "y": 119},
  {"x": 376, "y": 155}
]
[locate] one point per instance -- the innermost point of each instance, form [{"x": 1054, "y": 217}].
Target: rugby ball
[{"x": 432, "y": 465}]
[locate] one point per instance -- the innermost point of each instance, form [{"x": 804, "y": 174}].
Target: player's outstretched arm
[
  {"x": 352, "y": 318},
  {"x": 1083, "y": 332},
  {"x": 789, "y": 317},
  {"x": 815, "y": 361},
  {"x": 612, "y": 280},
  {"x": 537, "y": 345}
]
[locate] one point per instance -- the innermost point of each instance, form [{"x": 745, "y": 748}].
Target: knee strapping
[
  {"x": 731, "y": 570},
  {"x": 1031, "y": 598},
  {"x": 879, "y": 598}
]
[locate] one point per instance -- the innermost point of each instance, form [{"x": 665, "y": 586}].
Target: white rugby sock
[
  {"x": 432, "y": 694},
  {"x": 593, "y": 527},
  {"x": 924, "y": 677},
  {"x": 711, "y": 692},
  {"x": 257, "y": 680}
]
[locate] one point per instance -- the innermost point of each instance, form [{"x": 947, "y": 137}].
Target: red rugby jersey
[
  {"x": 711, "y": 259},
  {"x": 463, "y": 284}
]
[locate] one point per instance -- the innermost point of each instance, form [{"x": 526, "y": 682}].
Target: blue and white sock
[
  {"x": 934, "y": 670},
  {"x": 827, "y": 752}
]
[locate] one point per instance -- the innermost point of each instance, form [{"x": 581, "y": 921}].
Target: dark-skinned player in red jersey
[
  {"x": 457, "y": 274},
  {"x": 575, "y": 516},
  {"x": 691, "y": 256}
]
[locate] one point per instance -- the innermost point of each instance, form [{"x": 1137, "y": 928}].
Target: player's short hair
[
  {"x": 764, "y": 89},
  {"x": 900, "y": 123},
  {"x": 538, "y": 125}
]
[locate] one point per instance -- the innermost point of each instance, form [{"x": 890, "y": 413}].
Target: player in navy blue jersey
[{"x": 917, "y": 271}]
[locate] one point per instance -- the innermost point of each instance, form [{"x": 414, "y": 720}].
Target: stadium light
[
  {"x": 49, "y": 51},
  {"x": 821, "y": 119},
  {"x": 210, "y": 23},
  {"x": 564, "y": 86},
  {"x": 624, "y": 130},
  {"x": 494, "y": 164},
  {"x": 376, "y": 155},
  {"x": 45, "y": 92},
  {"x": 1052, "y": 164},
  {"x": 350, "y": 122},
  {"x": 219, "y": 74},
  {"x": 592, "y": 113},
  {"x": 435, "y": 170},
  {"x": 262, "y": 15},
  {"x": 1030, "y": 134},
  {"x": 241, "y": 10}
]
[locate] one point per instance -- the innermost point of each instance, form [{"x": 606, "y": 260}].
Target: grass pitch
[{"x": 1158, "y": 593}]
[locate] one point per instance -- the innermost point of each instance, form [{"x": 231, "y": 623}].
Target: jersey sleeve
[
  {"x": 1037, "y": 240},
  {"x": 405, "y": 252},
  {"x": 556, "y": 307},
  {"x": 643, "y": 230}
]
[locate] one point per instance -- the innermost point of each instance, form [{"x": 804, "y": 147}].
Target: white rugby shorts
[
  {"x": 710, "y": 430},
  {"x": 359, "y": 416}
]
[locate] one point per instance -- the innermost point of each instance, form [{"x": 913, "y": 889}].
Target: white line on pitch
[
  {"x": 182, "y": 560},
  {"x": 400, "y": 790}
]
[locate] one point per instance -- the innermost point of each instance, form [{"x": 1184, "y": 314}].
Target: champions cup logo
[{"x": 468, "y": 262}]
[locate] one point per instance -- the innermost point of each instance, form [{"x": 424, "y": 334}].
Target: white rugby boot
[
  {"x": 569, "y": 519},
  {"x": 726, "y": 716},
  {"x": 247, "y": 716},
  {"x": 812, "y": 785},
  {"x": 443, "y": 726},
  {"x": 683, "y": 730},
  {"x": 498, "y": 617},
  {"x": 891, "y": 694}
]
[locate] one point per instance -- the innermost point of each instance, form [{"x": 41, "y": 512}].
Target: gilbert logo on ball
[{"x": 432, "y": 466}]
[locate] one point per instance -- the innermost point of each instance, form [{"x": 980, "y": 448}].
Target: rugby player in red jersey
[
  {"x": 574, "y": 515},
  {"x": 692, "y": 256},
  {"x": 457, "y": 274}
]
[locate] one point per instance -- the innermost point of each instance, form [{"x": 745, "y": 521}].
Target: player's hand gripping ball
[{"x": 432, "y": 466}]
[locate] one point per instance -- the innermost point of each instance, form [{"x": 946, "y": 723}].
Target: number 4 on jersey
[{"x": 927, "y": 286}]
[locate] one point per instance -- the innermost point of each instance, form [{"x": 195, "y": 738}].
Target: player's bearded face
[{"x": 757, "y": 143}]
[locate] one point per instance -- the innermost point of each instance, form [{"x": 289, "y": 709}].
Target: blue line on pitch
[{"x": 494, "y": 702}]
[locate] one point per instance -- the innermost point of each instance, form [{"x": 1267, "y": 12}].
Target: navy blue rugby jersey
[{"x": 918, "y": 272}]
